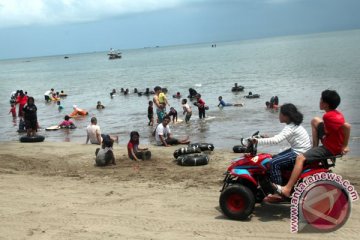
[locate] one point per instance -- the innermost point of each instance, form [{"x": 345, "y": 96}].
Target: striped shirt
[{"x": 297, "y": 137}]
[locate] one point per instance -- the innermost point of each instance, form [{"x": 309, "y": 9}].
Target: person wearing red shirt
[
  {"x": 13, "y": 110},
  {"x": 201, "y": 106},
  {"x": 134, "y": 152},
  {"x": 334, "y": 133},
  {"x": 21, "y": 100}
]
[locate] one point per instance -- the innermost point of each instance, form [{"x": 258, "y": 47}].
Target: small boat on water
[{"x": 114, "y": 54}]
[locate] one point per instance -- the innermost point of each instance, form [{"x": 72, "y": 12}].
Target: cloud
[{"x": 51, "y": 12}]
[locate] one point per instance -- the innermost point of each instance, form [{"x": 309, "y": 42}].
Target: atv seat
[{"x": 324, "y": 162}]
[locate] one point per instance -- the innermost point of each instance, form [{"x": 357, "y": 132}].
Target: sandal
[
  {"x": 274, "y": 198},
  {"x": 279, "y": 189}
]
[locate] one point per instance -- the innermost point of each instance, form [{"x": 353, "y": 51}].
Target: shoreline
[{"x": 52, "y": 190}]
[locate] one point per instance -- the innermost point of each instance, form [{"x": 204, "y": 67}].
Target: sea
[{"x": 295, "y": 68}]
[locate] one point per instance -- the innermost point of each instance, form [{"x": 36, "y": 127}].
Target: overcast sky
[{"x": 50, "y": 27}]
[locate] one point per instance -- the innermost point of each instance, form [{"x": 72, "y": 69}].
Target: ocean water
[{"x": 295, "y": 68}]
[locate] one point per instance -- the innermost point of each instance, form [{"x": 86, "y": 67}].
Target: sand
[{"x": 54, "y": 191}]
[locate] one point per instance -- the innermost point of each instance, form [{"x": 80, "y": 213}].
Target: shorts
[
  {"x": 187, "y": 117},
  {"x": 150, "y": 116},
  {"x": 160, "y": 114},
  {"x": 317, "y": 153},
  {"x": 172, "y": 141},
  {"x": 31, "y": 124},
  {"x": 47, "y": 98}
]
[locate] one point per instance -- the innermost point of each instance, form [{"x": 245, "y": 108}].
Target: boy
[
  {"x": 173, "y": 113},
  {"x": 333, "y": 132},
  {"x": 187, "y": 110},
  {"x": 150, "y": 114},
  {"x": 201, "y": 105}
]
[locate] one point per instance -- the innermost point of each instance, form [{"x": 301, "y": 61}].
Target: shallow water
[{"x": 295, "y": 68}]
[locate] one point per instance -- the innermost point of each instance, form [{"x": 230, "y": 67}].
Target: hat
[{"x": 74, "y": 106}]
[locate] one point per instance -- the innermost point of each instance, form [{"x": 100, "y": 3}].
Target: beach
[{"x": 52, "y": 190}]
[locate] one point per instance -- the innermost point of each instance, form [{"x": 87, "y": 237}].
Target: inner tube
[
  {"x": 203, "y": 146},
  {"x": 193, "y": 159},
  {"x": 37, "y": 138},
  {"x": 253, "y": 96},
  {"x": 237, "y": 89},
  {"x": 68, "y": 127},
  {"x": 239, "y": 149},
  {"x": 63, "y": 95},
  {"x": 186, "y": 150}
]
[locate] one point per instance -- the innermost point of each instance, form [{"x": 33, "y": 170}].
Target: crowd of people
[{"x": 331, "y": 130}]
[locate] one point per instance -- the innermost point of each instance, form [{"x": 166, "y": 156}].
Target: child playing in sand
[
  {"x": 105, "y": 155},
  {"x": 13, "y": 110},
  {"x": 134, "y": 152}
]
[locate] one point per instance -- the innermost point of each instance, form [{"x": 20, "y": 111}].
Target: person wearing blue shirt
[{"x": 223, "y": 104}]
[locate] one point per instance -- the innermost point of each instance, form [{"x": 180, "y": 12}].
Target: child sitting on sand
[
  {"x": 105, "y": 155},
  {"x": 134, "y": 152}
]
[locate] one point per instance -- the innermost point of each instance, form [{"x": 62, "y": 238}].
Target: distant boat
[
  {"x": 66, "y": 57},
  {"x": 114, "y": 55}
]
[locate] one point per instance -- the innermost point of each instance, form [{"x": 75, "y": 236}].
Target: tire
[
  {"x": 253, "y": 96},
  {"x": 186, "y": 150},
  {"x": 237, "y": 89},
  {"x": 237, "y": 202},
  {"x": 193, "y": 160},
  {"x": 37, "y": 138},
  {"x": 203, "y": 146},
  {"x": 239, "y": 149},
  {"x": 68, "y": 127}
]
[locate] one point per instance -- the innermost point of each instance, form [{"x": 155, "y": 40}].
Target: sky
[{"x": 30, "y": 28}]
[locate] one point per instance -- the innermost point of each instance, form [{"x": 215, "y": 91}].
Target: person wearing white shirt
[
  {"x": 164, "y": 137},
  {"x": 298, "y": 139}
]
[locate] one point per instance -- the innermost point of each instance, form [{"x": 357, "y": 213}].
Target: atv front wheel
[{"x": 237, "y": 202}]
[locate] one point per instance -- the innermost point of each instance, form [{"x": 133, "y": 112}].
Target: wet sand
[{"x": 53, "y": 191}]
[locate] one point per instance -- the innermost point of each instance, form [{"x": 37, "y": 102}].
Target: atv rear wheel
[{"x": 237, "y": 202}]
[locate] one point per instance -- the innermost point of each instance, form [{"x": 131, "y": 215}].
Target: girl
[
  {"x": 13, "y": 110},
  {"x": 67, "y": 123},
  {"x": 134, "y": 152},
  {"x": 30, "y": 117},
  {"x": 298, "y": 139}
]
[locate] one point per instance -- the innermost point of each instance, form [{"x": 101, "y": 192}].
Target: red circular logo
[{"x": 325, "y": 206}]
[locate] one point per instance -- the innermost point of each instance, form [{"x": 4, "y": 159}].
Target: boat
[{"x": 114, "y": 55}]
